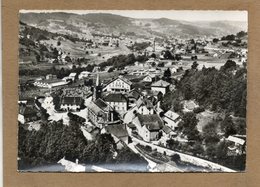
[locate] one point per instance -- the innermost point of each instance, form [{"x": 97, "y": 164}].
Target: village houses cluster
[{"x": 119, "y": 106}]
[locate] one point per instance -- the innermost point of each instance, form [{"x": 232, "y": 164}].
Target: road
[
  {"x": 153, "y": 166},
  {"x": 185, "y": 157}
]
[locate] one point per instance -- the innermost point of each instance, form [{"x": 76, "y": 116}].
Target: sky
[{"x": 187, "y": 15}]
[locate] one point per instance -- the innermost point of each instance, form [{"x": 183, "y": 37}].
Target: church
[{"x": 100, "y": 113}]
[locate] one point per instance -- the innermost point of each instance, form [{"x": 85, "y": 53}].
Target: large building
[
  {"x": 119, "y": 85},
  {"x": 117, "y": 101},
  {"x": 161, "y": 86},
  {"x": 148, "y": 126},
  {"x": 100, "y": 113},
  {"x": 71, "y": 103},
  {"x": 50, "y": 83}
]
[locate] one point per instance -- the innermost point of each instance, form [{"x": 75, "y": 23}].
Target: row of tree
[{"x": 54, "y": 141}]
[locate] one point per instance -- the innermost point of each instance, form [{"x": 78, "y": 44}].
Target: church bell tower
[{"x": 97, "y": 89}]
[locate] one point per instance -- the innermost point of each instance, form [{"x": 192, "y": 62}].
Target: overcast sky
[{"x": 188, "y": 15}]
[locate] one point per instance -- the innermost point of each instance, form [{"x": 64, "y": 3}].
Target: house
[
  {"x": 90, "y": 132},
  {"x": 131, "y": 128},
  {"x": 167, "y": 132},
  {"x": 119, "y": 134},
  {"x": 117, "y": 101},
  {"x": 71, "y": 103},
  {"x": 237, "y": 145},
  {"x": 148, "y": 126},
  {"x": 171, "y": 119},
  {"x": 71, "y": 166},
  {"x": 144, "y": 106},
  {"x": 154, "y": 96},
  {"x": 100, "y": 113},
  {"x": 50, "y": 76},
  {"x": 119, "y": 84},
  {"x": 50, "y": 83},
  {"x": 133, "y": 96},
  {"x": 84, "y": 74},
  {"x": 27, "y": 114},
  {"x": 149, "y": 78},
  {"x": 161, "y": 86},
  {"x": 72, "y": 76}
]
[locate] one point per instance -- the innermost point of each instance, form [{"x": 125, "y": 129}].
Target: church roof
[{"x": 115, "y": 97}]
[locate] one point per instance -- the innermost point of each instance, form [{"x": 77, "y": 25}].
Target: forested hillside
[
  {"x": 55, "y": 140},
  {"x": 217, "y": 90}
]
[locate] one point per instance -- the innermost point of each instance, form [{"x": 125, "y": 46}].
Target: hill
[{"x": 86, "y": 24}]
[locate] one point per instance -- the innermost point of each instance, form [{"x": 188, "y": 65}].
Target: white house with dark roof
[
  {"x": 117, "y": 101},
  {"x": 71, "y": 103},
  {"x": 119, "y": 85},
  {"x": 148, "y": 126},
  {"x": 161, "y": 86},
  {"x": 171, "y": 119}
]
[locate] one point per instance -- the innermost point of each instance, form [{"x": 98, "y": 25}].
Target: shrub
[{"x": 175, "y": 158}]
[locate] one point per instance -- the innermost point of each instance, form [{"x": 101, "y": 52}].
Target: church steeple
[
  {"x": 97, "y": 89},
  {"x": 97, "y": 81}
]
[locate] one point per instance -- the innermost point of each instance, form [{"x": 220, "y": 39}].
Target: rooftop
[
  {"x": 236, "y": 140},
  {"x": 28, "y": 111},
  {"x": 161, "y": 83},
  {"x": 71, "y": 100},
  {"x": 134, "y": 93},
  {"x": 123, "y": 79},
  {"x": 98, "y": 106},
  {"x": 50, "y": 81},
  {"x": 151, "y": 121},
  {"x": 117, "y": 130},
  {"x": 115, "y": 97},
  {"x": 172, "y": 115},
  {"x": 144, "y": 102}
]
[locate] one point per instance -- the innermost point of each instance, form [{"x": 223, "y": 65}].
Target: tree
[
  {"x": 167, "y": 55},
  {"x": 153, "y": 55},
  {"x": 215, "y": 40},
  {"x": 227, "y": 126},
  {"x": 68, "y": 59},
  {"x": 241, "y": 34},
  {"x": 58, "y": 43},
  {"x": 188, "y": 126},
  {"x": 161, "y": 64},
  {"x": 194, "y": 65},
  {"x": 167, "y": 74},
  {"x": 176, "y": 158},
  {"x": 210, "y": 133},
  {"x": 230, "y": 64},
  {"x": 197, "y": 149},
  {"x": 172, "y": 144}
]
